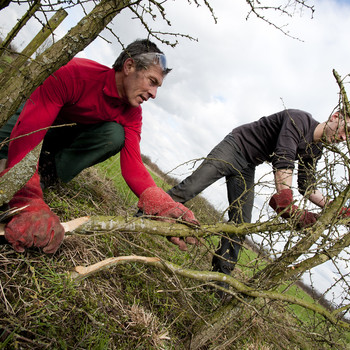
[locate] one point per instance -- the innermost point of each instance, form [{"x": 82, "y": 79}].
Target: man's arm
[
  {"x": 317, "y": 198},
  {"x": 36, "y": 225},
  {"x": 152, "y": 199},
  {"x": 283, "y": 180},
  {"x": 282, "y": 201},
  {"x": 133, "y": 170}
]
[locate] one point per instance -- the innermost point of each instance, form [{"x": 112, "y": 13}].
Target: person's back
[{"x": 278, "y": 138}]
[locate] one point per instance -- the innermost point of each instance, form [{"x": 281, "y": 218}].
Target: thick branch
[
  {"x": 35, "y": 43},
  {"x": 119, "y": 223},
  {"x": 20, "y": 86},
  {"x": 81, "y": 272},
  {"x": 16, "y": 177}
]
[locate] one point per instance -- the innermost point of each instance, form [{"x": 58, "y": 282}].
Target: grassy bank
[{"x": 133, "y": 306}]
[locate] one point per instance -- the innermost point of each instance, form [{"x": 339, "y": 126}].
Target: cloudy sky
[{"x": 238, "y": 71}]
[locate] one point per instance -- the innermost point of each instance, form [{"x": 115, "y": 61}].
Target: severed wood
[
  {"x": 68, "y": 226},
  {"x": 72, "y": 225},
  {"x": 82, "y": 272},
  {"x": 79, "y": 273},
  {"x": 174, "y": 229}
]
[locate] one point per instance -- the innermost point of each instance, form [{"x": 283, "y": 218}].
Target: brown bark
[
  {"x": 25, "y": 55},
  {"x": 4, "y": 3},
  {"x": 14, "y": 179},
  {"x": 19, "y": 25},
  {"x": 24, "y": 81}
]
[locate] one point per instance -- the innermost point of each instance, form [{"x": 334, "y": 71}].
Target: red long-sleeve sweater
[{"x": 85, "y": 92}]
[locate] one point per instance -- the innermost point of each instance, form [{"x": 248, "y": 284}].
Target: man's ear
[
  {"x": 129, "y": 66},
  {"x": 334, "y": 116}
]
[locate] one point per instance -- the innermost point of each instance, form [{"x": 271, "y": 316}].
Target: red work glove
[
  {"x": 36, "y": 225},
  {"x": 344, "y": 213},
  {"x": 283, "y": 202},
  {"x": 154, "y": 201}
]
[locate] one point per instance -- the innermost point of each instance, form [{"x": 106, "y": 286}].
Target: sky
[{"x": 237, "y": 71}]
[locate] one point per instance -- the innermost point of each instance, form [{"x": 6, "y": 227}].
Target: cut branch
[
  {"x": 179, "y": 229},
  {"x": 80, "y": 273}
]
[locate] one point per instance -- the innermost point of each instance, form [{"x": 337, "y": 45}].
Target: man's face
[
  {"x": 336, "y": 129},
  {"x": 139, "y": 86}
]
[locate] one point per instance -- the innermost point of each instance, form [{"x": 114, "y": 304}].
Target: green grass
[
  {"x": 111, "y": 169},
  {"x": 133, "y": 306},
  {"x": 250, "y": 263}
]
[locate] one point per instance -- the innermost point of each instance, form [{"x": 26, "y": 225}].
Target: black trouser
[
  {"x": 226, "y": 160},
  {"x": 74, "y": 148}
]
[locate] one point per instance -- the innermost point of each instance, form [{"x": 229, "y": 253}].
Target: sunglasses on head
[{"x": 149, "y": 58}]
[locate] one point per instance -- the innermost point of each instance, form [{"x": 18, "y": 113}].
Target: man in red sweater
[{"x": 105, "y": 103}]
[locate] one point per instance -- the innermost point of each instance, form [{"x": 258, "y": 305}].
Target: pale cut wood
[
  {"x": 68, "y": 226},
  {"x": 79, "y": 273},
  {"x": 177, "y": 228},
  {"x": 84, "y": 272}
]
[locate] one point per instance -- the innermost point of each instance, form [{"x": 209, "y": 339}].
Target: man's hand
[
  {"x": 36, "y": 225},
  {"x": 181, "y": 242},
  {"x": 154, "y": 201},
  {"x": 283, "y": 202},
  {"x": 344, "y": 213}
]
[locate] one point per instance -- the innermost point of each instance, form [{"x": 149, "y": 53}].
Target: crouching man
[{"x": 105, "y": 103}]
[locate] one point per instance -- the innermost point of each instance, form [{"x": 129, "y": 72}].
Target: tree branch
[
  {"x": 16, "y": 177},
  {"x": 175, "y": 229},
  {"x": 80, "y": 273}
]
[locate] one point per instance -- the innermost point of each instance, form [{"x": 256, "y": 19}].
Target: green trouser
[{"x": 73, "y": 148}]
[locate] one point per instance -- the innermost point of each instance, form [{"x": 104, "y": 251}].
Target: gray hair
[{"x": 135, "y": 50}]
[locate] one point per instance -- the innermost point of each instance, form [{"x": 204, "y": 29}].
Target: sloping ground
[{"x": 130, "y": 306}]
